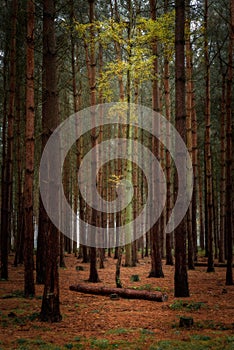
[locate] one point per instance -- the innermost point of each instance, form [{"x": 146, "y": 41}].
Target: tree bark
[
  {"x": 50, "y": 309},
  {"x": 93, "y": 276},
  {"x": 8, "y": 173},
  {"x": 189, "y": 132},
  {"x": 156, "y": 260},
  {"x": 122, "y": 292},
  {"x": 180, "y": 276},
  {"x": 208, "y": 156},
  {"x": 29, "y": 287},
  {"x": 229, "y": 155},
  {"x": 223, "y": 174}
]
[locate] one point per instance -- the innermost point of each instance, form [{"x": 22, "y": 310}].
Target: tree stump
[
  {"x": 186, "y": 322},
  {"x": 135, "y": 278},
  {"x": 80, "y": 268}
]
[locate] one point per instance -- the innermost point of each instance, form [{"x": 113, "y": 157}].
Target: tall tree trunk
[
  {"x": 29, "y": 287},
  {"x": 223, "y": 174},
  {"x": 180, "y": 277},
  {"x": 208, "y": 156},
  {"x": 195, "y": 174},
  {"x": 50, "y": 309},
  {"x": 156, "y": 261},
  {"x": 19, "y": 235},
  {"x": 169, "y": 258},
  {"x": 79, "y": 143},
  {"x": 129, "y": 136},
  {"x": 8, "y": 173},
  {"x": 93, "y": 276},
  {"x": 229, "y": 155},
  {"x": 189, "y": 100},
  {"x": 201, "y": 214}
]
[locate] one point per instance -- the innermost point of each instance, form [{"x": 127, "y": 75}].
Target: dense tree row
[{"x": 59, "y": 57}]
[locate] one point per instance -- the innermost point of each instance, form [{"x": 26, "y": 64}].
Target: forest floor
[{"x": 98, "y": 322}]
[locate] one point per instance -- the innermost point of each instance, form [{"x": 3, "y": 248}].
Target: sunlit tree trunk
[{"x": 129, "y": 136}]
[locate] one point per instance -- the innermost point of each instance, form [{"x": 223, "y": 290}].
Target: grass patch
[
  {"x": 135, "y": 278},
  {"x": 15, "y": 294},
  {"x": 44, "y": 329},
  {"x": 100, "y": 344},
  {"x": 22, "y": 341},
  {"x": 189, "y": 306},
  {"x": 194, "y": 344},
  {"x": 148, "y": 287},
  {"x": 37, "y": 344},
  {"x": 200, "y": 337},
  {"x": 68, "y": 346},
  {"x": 118, "y": 331},
  {"x": 145, "y": 331},
  {"x": 210, "y": 324}
]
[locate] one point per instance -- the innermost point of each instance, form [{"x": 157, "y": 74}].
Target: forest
[{"x": 116, "y": 153}]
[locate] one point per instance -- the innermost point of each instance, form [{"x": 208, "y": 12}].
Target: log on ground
[{"x": 122, "y": 292}]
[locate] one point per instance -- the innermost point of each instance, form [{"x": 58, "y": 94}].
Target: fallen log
[{"x": 122, "y": 292}]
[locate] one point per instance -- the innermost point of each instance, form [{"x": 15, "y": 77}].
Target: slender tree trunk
[
  {"x": 195, "y": 175},
  {"x": 129, "y": 135},
  {"x": 229, "y": 155},
  {"x": 215, "y": 213},
  {"x": 118, "y": 266},
  {"x": 19, "y": 236},
  {"x": 201, "y": 214},
  {"x": 93, "y": 277},
  {"x": 29, "y": 287},
  {"x": 50, "y": 309},
  {"x": 180, "y": 277},
  {"x": 8, "y": 174},
  {"x": 189, "y": 99},
  {"x": 79, "y": 143},
  {"x": 223, "y": 175},
  {"x": 169, "y": 258},
  {"x": 208, "y": 162},
  {"x": 156, "y": 261},
  {"x": 119, "y": 257}
]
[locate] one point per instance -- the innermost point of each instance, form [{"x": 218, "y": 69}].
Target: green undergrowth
[
  {"x": 14, "y": 294},
  {"x": 148, "y": 287},
  {"x": 188, "y": 306},
  {"x": 17, "y": 318},
  {"x": 207, "y": 324},
  {"x": 194, "y": 342}
]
